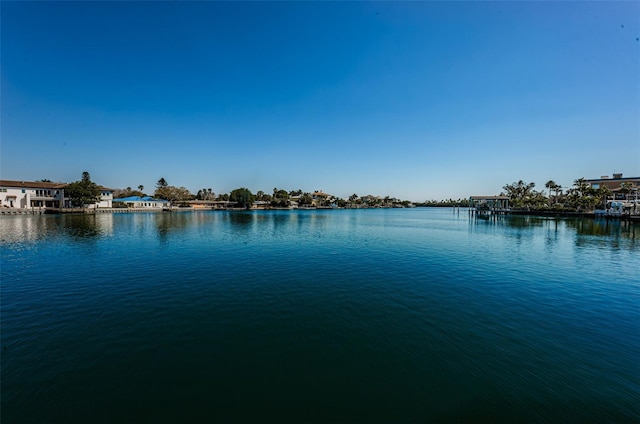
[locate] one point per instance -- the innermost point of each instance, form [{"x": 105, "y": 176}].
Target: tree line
[
  {"x": 244, "y": 198},
  {"x": 579, "y": 197}
]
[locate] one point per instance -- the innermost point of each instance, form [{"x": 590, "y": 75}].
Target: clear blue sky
[{"x": 419, "y": 100}]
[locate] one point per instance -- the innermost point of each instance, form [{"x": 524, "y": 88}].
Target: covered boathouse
[{"x": 489, "y": 205}]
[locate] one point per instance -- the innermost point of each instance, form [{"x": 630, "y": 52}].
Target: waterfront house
[
  {"x": 371, "y": 200},
  {"x": 106, "y": 198},
  {"x": 142, "y": 202},
  {"x": 621, "y": 187},
  {"x": 260, "y": 204},
  {"x": 41, "y": 194},
  {"x": 319, "y": 198},
  {"x": 29, "y": 194}
]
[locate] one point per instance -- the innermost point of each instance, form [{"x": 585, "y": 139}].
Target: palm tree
[
  {"x": 581, "y": 196},
  {"x": 141, "y": 187},
  {"x": 520, "y": 193},
  {"x": 603, "y": 193},
  {"x": 626, "y": 189},
  {"x": 550, "y": 185},
  {"x": 581, "y": 186},
  {"x": 558, "y": 190}
]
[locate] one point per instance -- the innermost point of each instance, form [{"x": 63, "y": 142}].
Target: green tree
[
  {"x": 127, "y": 192},
  {"x": 83, "y": 192},
  {"x": 305, "y": 199},
  {"x": 550, "y": 185},
  {"x": 581, "y": 196},
  {"x": 626, "y": 188},
  {"x": 557, "y": 189},
  {"x": 205, "y": 194},
  {"x": 243, "y": 197},
  {"x": 521, "y": 193},
  {"x": 280, "y": 198},
  {"x": 161, "y": 183},
  {"x": 602, "y": 194},
  {"x": 581, "y": 185},
  {"x": 173, "y": 194}
]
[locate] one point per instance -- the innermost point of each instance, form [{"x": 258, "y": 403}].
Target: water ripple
[{"x": 376, "y": 315}]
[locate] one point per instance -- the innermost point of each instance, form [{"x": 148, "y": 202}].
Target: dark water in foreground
[{"x": 371, "y": 315}]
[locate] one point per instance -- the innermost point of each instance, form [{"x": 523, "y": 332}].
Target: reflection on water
[
  {"x": 22, "y": 228},
  {"x": 613, "y": 234},
  {"x": 241, "y": 219},
  {"x": 390, "y": 315},
  {"x": 81, "y": 226},
  {"x": 603, "y": 227},
  {"x": 170, "y": 222},
  {"x": 611, "y": 230},
  {"x": 28, "y": 228}
]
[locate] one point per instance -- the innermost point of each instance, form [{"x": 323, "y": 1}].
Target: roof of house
[
  {"x": 31, "y": 184},
  {"x": 604, "y": 180},
  {"x": 320, "y": 194}
]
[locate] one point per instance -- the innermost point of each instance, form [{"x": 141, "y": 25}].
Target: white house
[
  {"x": 39, "y": 194},
  {"x": 106, "y": 198},
  {"x": 142, "y": 202}
]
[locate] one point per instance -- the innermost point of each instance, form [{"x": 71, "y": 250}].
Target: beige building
[{"x": 620, "y": 186}]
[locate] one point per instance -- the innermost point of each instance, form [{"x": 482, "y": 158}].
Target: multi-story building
[
  {"x": 39, "y": 194},
  {"x": 620, "y": 186}
]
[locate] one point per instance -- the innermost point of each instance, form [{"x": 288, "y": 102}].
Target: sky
[{"x": 416, "y": 100}]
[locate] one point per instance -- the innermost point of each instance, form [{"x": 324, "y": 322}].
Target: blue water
[{"x": 345, "y": 315}]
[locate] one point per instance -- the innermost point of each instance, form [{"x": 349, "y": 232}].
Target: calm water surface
[{"x": 364, "y": 315}]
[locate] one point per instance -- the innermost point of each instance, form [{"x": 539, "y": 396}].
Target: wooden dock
[{"x": 22, "y": 211}]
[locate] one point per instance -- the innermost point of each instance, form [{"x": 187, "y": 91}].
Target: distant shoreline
[{"x": 92, "y": 211}]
